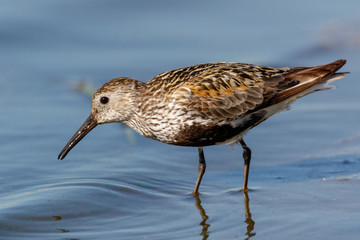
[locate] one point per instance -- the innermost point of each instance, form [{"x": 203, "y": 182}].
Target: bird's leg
[
  {"x": 202, "y": 167},
  {"x": 247, "y": 159}
]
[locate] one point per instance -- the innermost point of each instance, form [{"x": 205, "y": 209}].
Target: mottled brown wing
[
  {"x": 223, "y": 91},
  {"x": 228, "y": 90}
]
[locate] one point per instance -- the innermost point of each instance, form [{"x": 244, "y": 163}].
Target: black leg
[
  {"x": 202, "y": 167},
  {"x": 247, "y": 159}
]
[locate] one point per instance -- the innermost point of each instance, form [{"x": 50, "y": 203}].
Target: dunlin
[{"x": 205, "y": 104}]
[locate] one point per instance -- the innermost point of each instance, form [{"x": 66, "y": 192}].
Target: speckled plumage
[{"x": 205, "y": 104}]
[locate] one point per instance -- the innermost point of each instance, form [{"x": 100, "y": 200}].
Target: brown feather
[{"x": 307, "y": 78}]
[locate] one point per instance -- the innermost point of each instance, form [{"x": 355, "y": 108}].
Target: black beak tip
[
  {"x": 87, "y": 126},
  {"x": 61, "y": 155}
]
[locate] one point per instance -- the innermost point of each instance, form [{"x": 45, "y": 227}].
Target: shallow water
[{"x": 115, "y": 184}]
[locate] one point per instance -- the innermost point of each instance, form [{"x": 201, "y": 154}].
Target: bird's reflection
[
  {"x": 204, "y": 217},
  {"x": 248, "y": 220},
  {"x": 250, "y": 223}
]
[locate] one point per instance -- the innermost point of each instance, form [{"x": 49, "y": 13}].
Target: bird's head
[{"x": 112, "y": 102}]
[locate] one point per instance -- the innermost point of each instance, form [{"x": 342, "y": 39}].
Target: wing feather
[
  {"x": 223, "y": 92},
  {"x": 226, "y": 91}
]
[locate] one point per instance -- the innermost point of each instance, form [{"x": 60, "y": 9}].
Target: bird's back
[
  {"x": 215, "y": 76},
  {"x": 214, "y": 103}
]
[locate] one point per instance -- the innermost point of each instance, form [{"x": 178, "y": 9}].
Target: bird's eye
[{"x": 104, "y": 100}]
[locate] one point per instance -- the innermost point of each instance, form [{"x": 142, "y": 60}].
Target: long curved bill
[{"x": 87, "y": 126}]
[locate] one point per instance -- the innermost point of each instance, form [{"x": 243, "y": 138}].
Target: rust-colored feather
[{"x": 220, "y": 90}]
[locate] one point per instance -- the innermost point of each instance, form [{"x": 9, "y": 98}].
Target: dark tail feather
[{"x": 308, "y": 78}]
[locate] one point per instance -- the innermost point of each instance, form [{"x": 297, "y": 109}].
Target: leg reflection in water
[
  {"x": 250, "y": 224},
  {"x": 248, "y": 220},
  {"x": 204, "y": 217}
]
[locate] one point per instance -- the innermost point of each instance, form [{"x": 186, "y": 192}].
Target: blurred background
[{"x": 116, "y": 184}]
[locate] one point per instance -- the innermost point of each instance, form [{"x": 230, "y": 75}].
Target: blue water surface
[{"x": 115, "y": 184}]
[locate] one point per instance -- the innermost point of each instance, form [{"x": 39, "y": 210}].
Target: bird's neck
[{"x": 140, "y": 99}]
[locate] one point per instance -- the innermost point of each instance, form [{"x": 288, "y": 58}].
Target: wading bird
[{"x": 205, "y": 104}]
